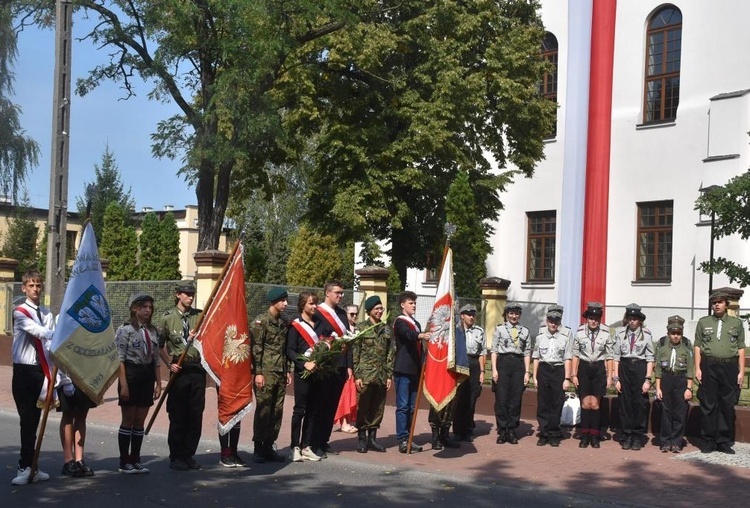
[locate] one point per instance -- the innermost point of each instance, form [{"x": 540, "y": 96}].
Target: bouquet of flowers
[{"x": 327, "y": 350}]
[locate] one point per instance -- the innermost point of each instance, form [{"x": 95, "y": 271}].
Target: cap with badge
[
  {"x": 276, "y": 294},
  {"x": 554, "y": 315},
  {"x": 513, "y": 306},
  {"x": 634, "y": 310},
  {"x": 717, "y": 296},
  {"x": 185, "y": 286},
  {"x": 594, "y": 310},
  {"x": 675, "y": 323},
  {"x": 372, "y": 302},
  {"x": 556, "y": 307},
  {"x": 139, "y": 298},
  {"x": 468, "y": 309}
]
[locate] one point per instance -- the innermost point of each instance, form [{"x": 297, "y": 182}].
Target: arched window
[
  {"x": 548, "y": 85},
  {"x": 663, "y": 53}
]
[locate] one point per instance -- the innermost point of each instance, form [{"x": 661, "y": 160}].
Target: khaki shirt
[
  {"x": 642, "y": 348},
  {"x": 171, "y": 333},
  {"x": 683, "y": 359},
  {"x": 726, "y": 345},
  {"x": 503, "y": 342},
  {"x": 602, "y": 348},
  {"x": 552, "y": 349}
]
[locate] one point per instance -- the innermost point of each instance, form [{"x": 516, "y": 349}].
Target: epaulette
[{"x": 604, "y": 328}]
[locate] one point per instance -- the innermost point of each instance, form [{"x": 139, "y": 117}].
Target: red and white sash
[
  {"x": 38, "y": 346},
  {"x": 330, "y": 315},
  {"x": 306, "y": 332},
  {"x": 410, "y": 321}
]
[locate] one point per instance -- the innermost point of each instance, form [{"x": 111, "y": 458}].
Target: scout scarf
[
  {"x": 305, "y": 331},
  {"x": 330, "y": 315}
]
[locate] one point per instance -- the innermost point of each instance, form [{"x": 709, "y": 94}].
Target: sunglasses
[{"x": 353, "y": 314}]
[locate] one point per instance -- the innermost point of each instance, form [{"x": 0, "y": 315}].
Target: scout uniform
[
  {"x": 373, "y": 366},
  {"x": 510, "y": 356},
  {"x": 469, "y": 391},
  {"x": 268, "y": 342},
  {"x": 551, "y": 352},
  {"x": 187, "y": 395},
  {"x": 593, "y": 348},
  {"x": 720, "y": 341},
  {"x": 634, "y": 357},
  {"x": 674, "y": 370}
]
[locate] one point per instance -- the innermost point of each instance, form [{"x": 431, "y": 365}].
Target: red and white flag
[
  {"x": 446, "y": 365},
  {"x": 224, "y": 343}
]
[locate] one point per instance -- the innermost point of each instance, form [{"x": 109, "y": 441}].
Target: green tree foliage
[
  {"x": 730, "y": 205},
  {"x": 314, "y": 259},
  {"x": 169, "y": 240},
  {"x": 149, "y": 248},
  {"x": 106, "y": 188},
  {"x": 21, "y": 239},
  {"x": 394, "y": 283},
  {"x": 18, "y": 152},
  {"x": 119, "y": 244},
  {"x": 469, "y": 242},
  {"x": 42, "y": 250}
]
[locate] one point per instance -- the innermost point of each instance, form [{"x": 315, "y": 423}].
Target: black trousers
[
  {"x": 633, "y": 403},
  {"x": 674, "y": 408},
  {"x": 466, "y": 398},
  {"x": 330, "y": 393},
  {"x": 718, "y": 393},
  {"x": 550, "y": 398},
  {"x": 185, "y": 404},
  {"x": 26, "y": 386},
  {"x": 509, "y": 391},
  {"x": 306, "y": 401}
]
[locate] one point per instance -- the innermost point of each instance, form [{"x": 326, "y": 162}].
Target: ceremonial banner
[
  {"x": 83, "y": 345},
  {"x": 224, "y": 343},
  {"x": 446, "y": 363}
]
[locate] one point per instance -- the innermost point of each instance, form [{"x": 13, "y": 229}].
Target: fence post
[
  {"x": 7, "y": 275},
  {"x": 373, "y": 280},
  {"x": 210, "y": 264}
]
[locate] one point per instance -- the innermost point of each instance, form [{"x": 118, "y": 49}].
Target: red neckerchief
[
  {"x": 305, "y": 331},
  {"x": 41, "y": 357},
  {"x": 330, "y": 315}
]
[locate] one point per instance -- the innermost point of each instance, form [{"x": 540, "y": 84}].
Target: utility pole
[{"x": 58, "y": 188}]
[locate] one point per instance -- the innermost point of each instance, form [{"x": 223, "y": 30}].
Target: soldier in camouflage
[
  {"x": 270, "y": 375},
  {"x": 373, "y": 369}
]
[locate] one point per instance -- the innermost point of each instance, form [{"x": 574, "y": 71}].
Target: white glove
[{"x": 69, "y": 389}]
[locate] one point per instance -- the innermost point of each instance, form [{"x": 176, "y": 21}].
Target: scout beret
[
  {"x": 276, "y": 294},
  {"x": 139, "y": 298},
  {"x": 593, "y": 310},
  {"x": 185, "y": 286},
  {"x": 675, "y": 323},
  {"x": 554, "y": 315},
  {"x": 718, "y": 295},
  {"x": 512, "y": 306},
  {"x": 468, "y": 309},
  {"x": 372, "y": 302},
  {"x": 634, "y": 310}
]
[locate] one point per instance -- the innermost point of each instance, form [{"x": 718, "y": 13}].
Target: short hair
[
  {"x": 355, "y": 307},
  {"x": 304, "y": 296},
  {"x": 330, "y": 284},
  {"x": 32, "y": 275},
  {"x": 406, "y": 295}
]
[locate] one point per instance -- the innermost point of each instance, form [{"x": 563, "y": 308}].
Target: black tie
[
  {"x": 185, "y": 327},
  {"x": 39, "y": 315}
]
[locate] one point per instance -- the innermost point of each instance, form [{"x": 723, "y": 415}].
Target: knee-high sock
[
  {"x": 135, "y": 445},
  {"x": 124, "y": 436}
]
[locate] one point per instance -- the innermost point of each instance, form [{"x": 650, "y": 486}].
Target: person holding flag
[{"x": 32, "y": 330}]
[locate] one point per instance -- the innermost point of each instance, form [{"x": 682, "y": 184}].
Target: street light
[{"x": 706, "y": 191}]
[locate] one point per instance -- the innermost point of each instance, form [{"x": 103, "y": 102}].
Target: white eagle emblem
[
  {"x": 236, "y": 349},
  {"x": 440, "y": 322}
]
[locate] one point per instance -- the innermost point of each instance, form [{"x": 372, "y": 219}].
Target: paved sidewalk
[{"x": 647, "y": 477}]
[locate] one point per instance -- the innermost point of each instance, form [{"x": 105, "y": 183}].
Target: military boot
[
  {"x": 361, "y": 441},
  {"x": 436, "y": 444},
  {"x": 259, "y": 452},
  {"x": 372, "y": 444},
  {"x": 446, "y": 439}
]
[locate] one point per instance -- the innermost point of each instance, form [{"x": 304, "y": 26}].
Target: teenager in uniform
[
  {"x": 633, "y": 367},
  {"x": 469, "y": 391},
  {"x": 674, "y": 369},
  {"x": 187, "y": 395},
  {"x": 511, "y": 370},
  {"x": 139, "y": 380},
  {"x": 552, "y": 362},
  {"x": 591, "y": 371},
  {"x": 372, "y": 357},
  {"x": 270, "y": 375},
  {"x": 32, "y": 331},
  {"x": 720, "y": 369}
]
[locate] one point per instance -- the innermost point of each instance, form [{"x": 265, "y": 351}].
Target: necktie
[
  {"x": 593, "y": 340},
  {"x": 147, "y": 340},
  {"x": 672, "y": 359},
  {"x": 514, "y": 336},
  {"x": 632, "y": 341},
  {"x": 185, "y": 327},
  {"x": 718, "y": 330}
]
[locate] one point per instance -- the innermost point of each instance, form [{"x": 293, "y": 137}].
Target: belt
[
  {"x": 675, "y": 372},
  {"x": 711, "y": 359},
  {"x": 632, "y": 360},
  {"x": 473, "y": 356},
  {"x": 515, "y": 355},
  {"x": 186, "y": 360}
]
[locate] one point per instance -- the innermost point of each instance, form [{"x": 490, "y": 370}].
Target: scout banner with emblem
[
  {"x": 223, "y": 341},
  {"x": 83, "y": 345},
  {"x": 446, "y": 363}
]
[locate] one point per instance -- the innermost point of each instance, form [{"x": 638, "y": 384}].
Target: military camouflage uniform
[
  {"x": 373, "y": 365},
  {"x": 268, "y": 339},
  {"x": 187, "y": 395}
]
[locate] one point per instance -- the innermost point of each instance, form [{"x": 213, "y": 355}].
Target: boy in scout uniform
[
  {"x": 468, "y": 392},
  {"x": 187, "y": 396},
  {"x": 270, "y": 375},
  {"x": 719, "y": 368},
  {"x": 674, "y": 370}
]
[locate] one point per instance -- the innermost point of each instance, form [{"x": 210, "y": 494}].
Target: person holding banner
[
  {"x": 187, "y": 396},
  {"x": 469, "y": 390},
  {"x": 32, "y": 330},
  {"x": 268, "y": 341},
  {"x": 301, "y": 338},
  {"x": 139, "y": 380}
]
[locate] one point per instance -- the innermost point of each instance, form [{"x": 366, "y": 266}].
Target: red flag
[
  {"x": 446, "y": 365},
  {"x": 223, "y": 341}
]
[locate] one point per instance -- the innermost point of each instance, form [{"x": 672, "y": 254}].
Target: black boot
[
  {"x": 436, "y": 444},
  {"x": 512, "y": 438},
  {"x": 361, "y": 441},
  {"x": 372, "y": 444},
  {"x": 259, "y": 452},
  {"x": 502, "y": 436},
  {"x": 446, "y": 439},
  {"x": 584, "y": 441}
]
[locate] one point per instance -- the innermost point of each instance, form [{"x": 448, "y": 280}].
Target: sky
[{"x": 99, "y": 119}]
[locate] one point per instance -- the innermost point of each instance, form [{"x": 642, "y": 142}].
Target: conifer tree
[
  {"x": 149, "y": 248},
  {"x": 313, "y": 259},
  {"x": 21, "y": 239},
  {"x": 119, "y": 244},
  {"x": 169, "y": 242}
]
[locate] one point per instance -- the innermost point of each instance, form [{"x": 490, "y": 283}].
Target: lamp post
[{"x": 706, "y": 191}]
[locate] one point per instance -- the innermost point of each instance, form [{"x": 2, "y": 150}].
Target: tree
[
  {"x": 149, "y": 248},
  {"x": 314, "y": 259},
  {"x": 18, "y": 152},
  {"x": 169, "y": 239},
  {"x": 730, "y": 205},
  {"x": 469, "y": 242},
  {"x": 119, "y": 244},
  {"x": 105, "y": 189},
  {"x": 21, "y": 239}
]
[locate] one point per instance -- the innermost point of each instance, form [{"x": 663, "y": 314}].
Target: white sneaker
[
  {"x": 296, "y": 454},
  {"x": 22, "y": 478},
  {"x": 308, "y": 454}
]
